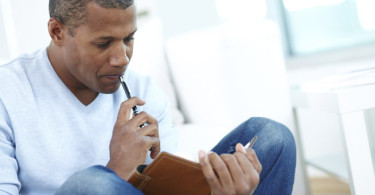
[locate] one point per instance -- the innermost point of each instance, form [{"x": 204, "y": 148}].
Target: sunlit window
[
  {"x": 294, "y": 5},
  {"x": 366, "y": 14},
  {"x": 315, "y": 26},
  {"x": 239, "y": 10}
]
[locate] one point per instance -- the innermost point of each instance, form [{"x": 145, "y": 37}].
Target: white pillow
[
  {"x": 149, "y": 58},
  {"x": 228, "y": 73}
]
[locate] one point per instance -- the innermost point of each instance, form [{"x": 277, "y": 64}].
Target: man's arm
[{"x": 9, "y": 182}]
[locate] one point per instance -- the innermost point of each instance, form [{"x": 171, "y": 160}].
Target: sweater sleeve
[{"x": 9, "y": 183}]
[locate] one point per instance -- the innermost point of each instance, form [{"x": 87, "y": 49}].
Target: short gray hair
[{"x": 73, "y": 13}]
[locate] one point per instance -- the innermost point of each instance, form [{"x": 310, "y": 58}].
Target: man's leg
[
  {"x": 275, "y": 148},
  {"x": 96, "y": 180}
]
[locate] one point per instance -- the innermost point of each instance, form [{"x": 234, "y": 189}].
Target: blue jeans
[{"x": 275, "y": 148}]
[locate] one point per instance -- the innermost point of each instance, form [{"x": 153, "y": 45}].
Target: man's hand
[
  {"x": 130, "y": 143},
  {"x": 236, "y": 173}
]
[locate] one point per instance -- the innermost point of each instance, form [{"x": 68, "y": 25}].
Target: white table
[{"x": 350, "y": 103}]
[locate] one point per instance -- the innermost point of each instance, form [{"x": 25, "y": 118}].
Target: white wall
[
  {"x": 185, "y": 16},
  {"x": 29, "y": 19}
]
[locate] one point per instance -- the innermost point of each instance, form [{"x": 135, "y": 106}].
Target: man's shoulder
[
  {"x": 17, "y": 71},
  {"x": 20, "y": 64}
]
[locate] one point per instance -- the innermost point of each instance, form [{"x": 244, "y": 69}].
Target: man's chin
[{"x": 109, "y": 90}]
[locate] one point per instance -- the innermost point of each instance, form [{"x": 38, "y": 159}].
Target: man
[{"x": 66, "y": 129}]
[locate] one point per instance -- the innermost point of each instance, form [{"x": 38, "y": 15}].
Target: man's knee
[{"x": 272, "y": 132}]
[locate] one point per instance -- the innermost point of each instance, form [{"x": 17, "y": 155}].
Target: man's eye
[
  {"x": 128, "y": 39},
  {"x": 103, "y": 45}
]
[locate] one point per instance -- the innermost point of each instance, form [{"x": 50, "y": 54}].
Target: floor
[{"x": 328, "y": 186}]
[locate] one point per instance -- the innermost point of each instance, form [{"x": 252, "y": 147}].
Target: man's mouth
[{"x": 112, "y": 77}]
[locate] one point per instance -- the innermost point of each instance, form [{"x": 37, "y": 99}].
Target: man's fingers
[
  {"x": 245, "y": 177},
  {"x": 229, "y": 173},
  {"x": 144, "y": 118},
  {"x": 149, "y": 130},
  {"x": 234, "y": 168},
  {"x": 126, "y": 109},
  {"x": 244, "y": 162},
  {"x": 251, "y": 156},
  {"x": 208, "y": 172},
  {"x": 154, "y": 146},
  {"x": 221, "y": 169}
]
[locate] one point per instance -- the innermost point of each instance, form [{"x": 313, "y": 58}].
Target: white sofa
[{"x": 216, "y": 78}]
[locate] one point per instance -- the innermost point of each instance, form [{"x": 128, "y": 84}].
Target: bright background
[{"x": 263, "y": 45}]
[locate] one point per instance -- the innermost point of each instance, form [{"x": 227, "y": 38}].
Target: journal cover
[{"x": 169, "y": 174}]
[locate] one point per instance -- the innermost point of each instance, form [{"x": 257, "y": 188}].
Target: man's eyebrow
[
  {"x": 105, "y": 38},
  {"x": 108, "y": 38},
  {"x": 131, "y": 34}
]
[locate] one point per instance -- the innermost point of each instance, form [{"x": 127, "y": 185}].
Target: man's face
[{"x": 100, "y": 49}]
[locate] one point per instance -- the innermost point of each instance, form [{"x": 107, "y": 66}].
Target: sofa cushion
[
  {"x": 149, "y": 59},
  {"x": 228, "y": 73}
]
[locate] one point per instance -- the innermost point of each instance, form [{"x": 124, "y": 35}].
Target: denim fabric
[
  {"x": 275, "y": 149},
  {"x": 96, "y": 180}
]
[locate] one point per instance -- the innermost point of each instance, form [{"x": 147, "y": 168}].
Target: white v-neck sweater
[{"x": 47, "y": 134}]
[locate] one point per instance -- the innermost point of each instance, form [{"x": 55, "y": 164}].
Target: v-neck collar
[{"x": 66, "y": 91}]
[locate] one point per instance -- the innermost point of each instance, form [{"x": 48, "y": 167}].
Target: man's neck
[{"x": 85, "y": 95}]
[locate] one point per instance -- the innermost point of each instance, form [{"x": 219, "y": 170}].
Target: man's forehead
[
  {"x": 96, "y": 13},
  {"x": 104, "y": 22}
]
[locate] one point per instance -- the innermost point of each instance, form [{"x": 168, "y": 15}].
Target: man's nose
[{"x": 119, "y": 56}]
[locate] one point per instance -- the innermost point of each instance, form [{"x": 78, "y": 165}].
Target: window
[{"x": 316, "y": 26}]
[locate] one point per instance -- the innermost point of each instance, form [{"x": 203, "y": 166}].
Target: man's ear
[{"x": 56, "y": 31}]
